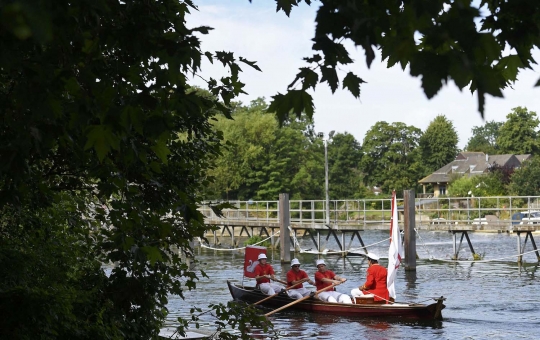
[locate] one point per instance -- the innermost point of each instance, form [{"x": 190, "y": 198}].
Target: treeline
[{"x": 262, "y": 159}]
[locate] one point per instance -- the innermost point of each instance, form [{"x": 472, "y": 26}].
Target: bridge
[{"x": 459, "y": 216}]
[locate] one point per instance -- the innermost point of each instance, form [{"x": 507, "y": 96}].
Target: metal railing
[{"x": 437, "y": 210}]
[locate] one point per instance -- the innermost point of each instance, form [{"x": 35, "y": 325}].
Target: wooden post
[
  {"x": 284, "y": 235},
  {"x": 519, "y": 249},
  {"x": 410, "y": 235}
]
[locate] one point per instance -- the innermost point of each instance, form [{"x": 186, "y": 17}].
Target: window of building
[{"x": 442, "y": 189}]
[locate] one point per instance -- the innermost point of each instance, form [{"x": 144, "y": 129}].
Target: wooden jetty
[{"x": 268, "y": 223}]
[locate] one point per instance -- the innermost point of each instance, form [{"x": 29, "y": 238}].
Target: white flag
[{"x": 396, "y": 249}]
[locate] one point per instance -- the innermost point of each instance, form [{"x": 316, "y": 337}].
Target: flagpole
[{"x": 395, "y": 250}]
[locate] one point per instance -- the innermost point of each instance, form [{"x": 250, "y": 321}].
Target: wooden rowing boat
[{"x": 402, "y": 310}]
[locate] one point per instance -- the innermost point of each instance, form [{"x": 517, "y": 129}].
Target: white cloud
[{"x": 278, "y": 44}]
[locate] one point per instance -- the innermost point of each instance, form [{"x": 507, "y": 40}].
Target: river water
[{"x": 490, "y": 299}]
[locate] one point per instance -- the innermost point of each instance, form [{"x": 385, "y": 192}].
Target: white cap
[
  {"x": 294, "y": 262},
  {"x": 321, "y": 261},
  {"x": 372, "y": 256},
  {"x": 261, "y": 256}
]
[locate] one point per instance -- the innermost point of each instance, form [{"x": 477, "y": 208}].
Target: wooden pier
[{"x": 267, "y": 224}]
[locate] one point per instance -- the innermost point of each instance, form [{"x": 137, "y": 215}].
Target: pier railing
[{"x": 501, "y": 210}]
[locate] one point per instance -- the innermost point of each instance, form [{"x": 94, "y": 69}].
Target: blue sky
[{"x": 278, "y": 44}]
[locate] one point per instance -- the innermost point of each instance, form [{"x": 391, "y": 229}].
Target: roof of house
[
  {"x": 524, "y": 157},
  {"x": 471, "y": 164}
]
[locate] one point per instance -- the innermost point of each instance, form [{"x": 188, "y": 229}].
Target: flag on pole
[{"x": 396, "y": 249}]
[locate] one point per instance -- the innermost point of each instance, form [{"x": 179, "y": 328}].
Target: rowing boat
[{"x": 366, "y": 309}]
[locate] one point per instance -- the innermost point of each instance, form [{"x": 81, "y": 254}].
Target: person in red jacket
[
  {"x": 375, "y": 281},
  {"x": 296, "y": 277},
  {"x": 324, "y": 277},
  {"x": 264, "y": 273}
]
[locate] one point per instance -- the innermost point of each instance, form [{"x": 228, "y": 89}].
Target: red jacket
[
  {"x": 328, "y": 274},
  {"x": 263, "y": 270},
  {"x": 376, "y": 282},
  {"x": 294, "y": 276}
]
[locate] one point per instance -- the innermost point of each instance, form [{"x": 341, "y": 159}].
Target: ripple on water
[{"x": 494, "y": 300}]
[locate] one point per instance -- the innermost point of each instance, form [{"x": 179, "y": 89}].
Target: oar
[
  {"x": 278, "y": 280},
  {"x": 271, "y": 296},
  {"x": 299, "y": 300}
]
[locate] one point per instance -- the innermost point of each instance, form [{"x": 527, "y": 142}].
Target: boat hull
[{"x": 398, "y": 310}]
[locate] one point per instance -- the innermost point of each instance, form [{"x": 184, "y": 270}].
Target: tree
[
  {"x": 439, "y": 41},
  {"x": 344, "y": 159},
  {"x": 104, "y": 148},
  {"x": 391, "y": 156},
  {"x": 262, "y": 160},
  {"x": 490, "y": 184},
  {"x": 438, "y": 144},
  {"x": 250, "y": 136},
  {"x": 525, "y": 181},
  {"x": 519, "y": 134},
  {"x": 484, "y": 138}
]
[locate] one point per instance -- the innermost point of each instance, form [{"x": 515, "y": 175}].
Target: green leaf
[
  {"x": 308, "y": 76},
  {"x": 209, "y": 56},
  {"x": 286, "y": 5},
  {"x": 250, "y": 63},
  {"x": 329, "y": 75},
  {"x": 202, "y": 29},
  {"x": 153, "y": 254},
  {"x": 102, "y": 139},
  {"x": 315, "y": 59},
  {"x": 510, "y": 66},
  {"x": 161, "y": 150},
  {"x": 352, "y": 83},
  {"x": 334, "y": 52},
  {"x": 295, "y": 101},
  {"x": 227, "y": 58}
]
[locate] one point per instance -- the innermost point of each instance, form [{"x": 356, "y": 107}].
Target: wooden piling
[
  {"x": 409, "y": 226},
  {"x": 284, "y": 234}
]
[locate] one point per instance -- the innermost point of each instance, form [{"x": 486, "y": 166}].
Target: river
[{"x": 490, "y": 299}]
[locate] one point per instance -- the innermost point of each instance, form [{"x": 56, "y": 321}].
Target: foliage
[
  {"x": 504, "y": 173},
  {"x": 262, "y": 160},
  {"x": 235, "y": 315},
  {"x": 484, "y": 138},
  {"x": 490, "y": 184},
  {"x": 526, "y": 180},
  {"x": 344, "y": 157},
  {"x": 391, "y": 157},
  {"x": 460, "y": 187},
  {"x": 438, "y": 144},
  {"x": 439, "y": 41},
  {"x": 104, "y": 148},
  {"x": 519, "y": 133},
  {"x": 255, "y": 240},
  {"x": 250, "y": 136}
]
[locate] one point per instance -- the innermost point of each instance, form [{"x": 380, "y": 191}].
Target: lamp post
[{"x": 330, "y": 135}]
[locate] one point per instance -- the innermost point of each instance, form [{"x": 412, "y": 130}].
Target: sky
[{"x": 278, "y": 43}]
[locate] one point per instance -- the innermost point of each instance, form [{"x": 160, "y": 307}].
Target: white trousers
[
  {"x": 357, "y": 292},
  {"x": 270, "y": 288},
  {"x": 298, "y": 293},
  {"x": 335, "y": 297}
]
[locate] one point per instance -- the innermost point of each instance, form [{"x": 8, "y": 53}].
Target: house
[{"x": 469, "y": 164}]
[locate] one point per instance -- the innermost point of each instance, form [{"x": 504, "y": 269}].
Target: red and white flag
[{"x": 396, "y": 249}]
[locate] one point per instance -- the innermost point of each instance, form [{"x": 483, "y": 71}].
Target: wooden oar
[
  {"x": 278, "y": 280},
  {"x": 299, "y": 300},
  {"x": 271, "y": 296}
]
